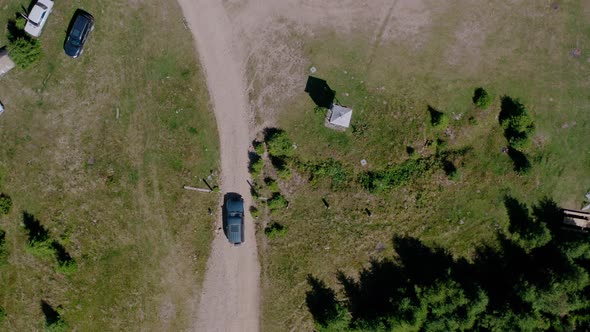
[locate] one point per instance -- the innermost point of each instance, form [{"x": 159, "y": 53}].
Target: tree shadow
[
  {"x": 62, "y": 256},
  {"x": 521, "y": 163},
  {"x": 422, "y": 264},
  {"x": 36, "y": 231},
  {"x": 320, "y": 92},
  {"x": 51, "y": 315},
  {"x": 321, "y": 301}
]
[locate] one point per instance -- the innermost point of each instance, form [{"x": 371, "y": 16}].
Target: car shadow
[{"x": 226, "y": 197}]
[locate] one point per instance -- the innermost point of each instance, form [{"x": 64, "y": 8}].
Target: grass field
[
  {"x": 106, "y": 189},
  {"x": 520, "y": 50}
]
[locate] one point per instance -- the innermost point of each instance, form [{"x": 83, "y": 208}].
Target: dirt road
[{"x": 230, "y": 297}]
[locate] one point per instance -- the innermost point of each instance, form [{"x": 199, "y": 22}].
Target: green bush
[
  {"x": 517, "y": 124},
  {"x": 284, "y": 174},
  {"x": 254, "y": 212},
  {"x": 272, "y": 184},
  {"x": 438, "y": 120},
  {"x": 330, "y": 168},
  {"x": 42, "y": 249},
  {"x": 25, "y": 51},
  {"x": 278, "y": 143},
  {"x": 277, "y": 202},
  {"x": 2, "y": 315},
  {"x": 5, "y": 204},
  {"x": 256, "y": 165},
  {"x": 398, "y": 175},
  {"x": 481, "y": 98},
  {"x": 259, "y": 147},
  {"x": 275, "y": 230},
  {"x": 280, "y": 164},
  {"x": 58, "y": 326},
  {"x": 67, "y": 267}
]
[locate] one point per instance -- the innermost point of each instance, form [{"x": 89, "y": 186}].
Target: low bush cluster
[
  {"x": 331, "y": 169},
  {"x": 399, "y": 174},
  {"x": 482, "y": 99},
  {"x": 517, "y": 124},
  {"x": 5, "y": 204},
  {"x": 23, "y": 50},
  {"x": 275, "y": 230},
  {"x": 438, "y": 120},
  {"x": 277, "y": 202}
]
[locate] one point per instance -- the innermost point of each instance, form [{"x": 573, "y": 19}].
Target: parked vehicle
[
  {"x": 38, "y": 16},
  {"x": 234, "y": 218},
  {"x": 80, "y": 27}
]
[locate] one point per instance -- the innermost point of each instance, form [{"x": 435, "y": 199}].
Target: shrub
[
  {"x": 67, "y": 267},
  {"x": 517, "y": 124},
  {"x": 329, "y": 168},
  {"x": 278, "y": 143},
  {"x": 259, "y": 147},
  {"x": 275, "y": 230},
  {"x": 284, "y": 174},
  {"x": 256, "y": 165},
  {"x": 5, "y": 204},
  {"x": 2, "y": 315},
  {"x": 42, "y": 248},
  {"x": 254, "y": 212},
  {"x": 272, "y": 185},
  {"x": 25, "y": 51},
  {"x": 482, "y": 99},
  {"x": 398, "y": 175},
  {"x": 280, "y": 164},
  {"x": 438, "y": 120},
  {"x": 277, "y": 202}
]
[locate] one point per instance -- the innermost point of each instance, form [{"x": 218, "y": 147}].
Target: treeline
[{"x": 536, "y": 279}]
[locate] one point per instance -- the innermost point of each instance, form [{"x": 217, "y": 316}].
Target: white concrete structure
[{"x": 340, "y": 116}]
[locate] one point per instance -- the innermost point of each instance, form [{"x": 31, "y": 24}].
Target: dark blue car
[
  {"x": 234, "y": 218},
  {"x": 82, "y": 24}
]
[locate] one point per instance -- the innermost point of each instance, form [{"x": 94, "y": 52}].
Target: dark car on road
[
  {"x": 234, "y": 218},
  {"x": 80, "y": 27}
]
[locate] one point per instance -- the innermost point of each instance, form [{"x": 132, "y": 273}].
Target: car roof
[
  {"x": 36, "y": 12},
  {"x": 235, "y": 205},
  {"x": 235, "y": 233}
]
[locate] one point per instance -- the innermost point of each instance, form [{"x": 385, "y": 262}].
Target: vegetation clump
[
  {"x": 41, "y": 245},
  {"x": 23, "y": 50},
  {"x": 5, "y": 204},
  {"x": 256, "y": 165},
  {"x": 271, "y": 184},
  {"x": 278, "y": 143},
  {"x": 277, "y": 202},
  {"x": 331, "y": 169},
  {"x": 517, "y": 124},
  {"x": 398, "y": 175},
  {"x": 254, "y": 212},
  {"x": 438, "y": 120},
  {"x": 275, "y": 230},
  {"x": 482, "y": 99}
]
